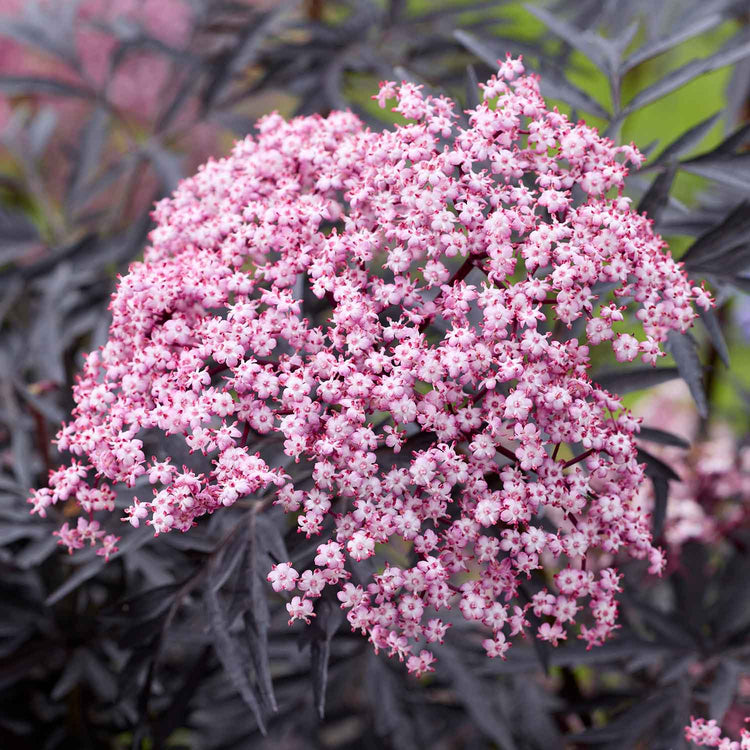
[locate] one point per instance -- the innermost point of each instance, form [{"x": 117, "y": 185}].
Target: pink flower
[
  {"x": 282, "y": 577},
  {"x": 300, "y": 609},
  {"x": 708, "y": 734},
  {"x": 433, "y": 342}
]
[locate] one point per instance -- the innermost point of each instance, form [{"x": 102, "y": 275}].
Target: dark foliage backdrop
[{"x": 176, "y": 642}]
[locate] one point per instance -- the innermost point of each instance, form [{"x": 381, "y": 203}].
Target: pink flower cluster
[
  {"x": 442, "y": 425},
  {"x": 712, "y": 498},
  {"x": 708, "y": 734}
]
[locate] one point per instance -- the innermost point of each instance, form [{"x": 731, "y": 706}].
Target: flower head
[{"x": 427, "y": 391}]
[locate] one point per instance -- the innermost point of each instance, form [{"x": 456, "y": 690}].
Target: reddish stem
[
  {"x": 460, "y": 274},
  {"x": 578, "y": 459},
  {"x": 507, "y": 453}
]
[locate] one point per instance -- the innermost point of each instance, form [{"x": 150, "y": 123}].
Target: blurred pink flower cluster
[
  {"x": 712, "y": 497},
  {"x": 127, "y": 56},
  {"x": 709, "y": 734},
  {"x": 137, "y": 83},
  {"x": 436, "y": 416}
]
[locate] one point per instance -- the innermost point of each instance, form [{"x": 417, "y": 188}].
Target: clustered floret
[
  {"x": 430, "y": 393},
  {"x": 712, "y": 499},
  {"x": 708, "y": 734}
]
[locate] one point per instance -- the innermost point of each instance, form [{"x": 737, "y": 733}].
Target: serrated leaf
[
  {"x": 319, "y": 634},
  {"x": 682, "y": 347},
  {"x": 656, "y": 197},
  {"x": 599, "y": 50},
  {"x": 623, "y": 732},
  {"x": 472, "y": 88},
  {"x": 661, "y": 498},
  {"x": 733, "y": 171},
  {"x": 733, "y": 142},
  {"x": 683, "y": 33},
  {"x": 723, "y": 689},
  {"x": 576, "y": 654},
  {"x": 536, "y": 706},
  {"x": 91, "y": 568},
  {"x": 728, "y": 55},
  {"x": 734, "y": 262},
  {"x": 167, "y": 165},
  {"x": 734, "y": 230},
  {"x": 242, "y": 55},
  {"x": 622, "y": 41},
  {"x": 35, "y": 553},
  {"x": 257, "y": 617},
  {"x": 554, "y": 84},
  {"x": 229, "y": 556},
  {"x": 474, "y": 696},
  {"x": 636, "y": 379},
  {"x": 89, "y": 156},
  {"x": 655, "y": 435},
  {"x": 148, "y": 605},
  {"x": 665, "y": 625},
  {"x": 687, "y": 141},
  {"x": 655, "y": 467},
  {"x": 711, "y": 323},
  {"x": 384, "y": 691},
  {"x": 235, "y": 662},
  {"x": 689, "y": 583}
]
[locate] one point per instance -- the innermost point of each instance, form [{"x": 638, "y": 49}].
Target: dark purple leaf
[
  {"x": 655, "y": 467},
  {"x": 232, "y": 656},
  {"x": 682, "y": 347},
  {"x": 681, "y": 34},
  {"x": 476, "y": 697},
  {"x": 655, "y": 435},
  {"x": 712, "y": 326},
  {"x": 733, "y": 171},
  {"x": 88, "y": 158},
  {"x": 167, "y": 165},
  {"x": 472, "y": 88},
  {"x": 734, "y": 230},
  {"x": 91, "y": 568},
  {"x": 655, "y": 199},
  {"x": 636, "y": 379},
  {"x": 723, "y": 688},
  {"x": 599, "y": 50},
  {"x": 661, "y": 498},
  {"x": 731, "y": 53},
  {"x": 319, "y": 634},
  {"x": 687, "y": 141}
]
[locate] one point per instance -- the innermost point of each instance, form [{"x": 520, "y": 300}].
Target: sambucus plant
[{"x": 410, "y": 312}]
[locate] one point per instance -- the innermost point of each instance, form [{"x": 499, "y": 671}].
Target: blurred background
[{"x": 104, "y": 106}]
